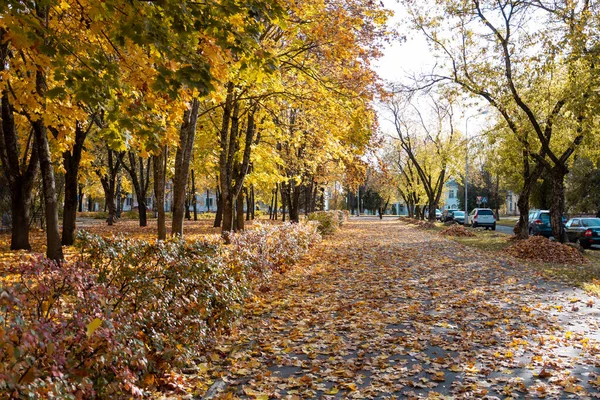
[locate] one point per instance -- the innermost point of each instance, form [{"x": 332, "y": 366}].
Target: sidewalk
[{"x": 383, "y": 310}]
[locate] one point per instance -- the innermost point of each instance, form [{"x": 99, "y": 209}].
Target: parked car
[
  {"x": 446, "y": 215},
  {"x": 458, "y": 216},
  {"x": 438, "y": 214},
  {"x": 584, "y": 231},
  {"x": 482, "y": 217},
  {"x": 539, "y": 223}
]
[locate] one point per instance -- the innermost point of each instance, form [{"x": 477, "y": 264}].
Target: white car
[{"x": 482, "y": 217}]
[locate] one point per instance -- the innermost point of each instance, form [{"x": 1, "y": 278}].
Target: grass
[
  {"x": 586, "y": 276},
  {"x": 485, "y": 240},
  {"x": 507, "y": 221}
]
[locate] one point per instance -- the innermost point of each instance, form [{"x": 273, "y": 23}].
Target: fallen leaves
[
  {"x": 382, "y": 310},
  {"x": 457, "y": 230},
  {"x": 539, "y": 248}
]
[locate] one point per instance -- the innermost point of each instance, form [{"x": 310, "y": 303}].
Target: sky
[{"x": 411, "y": 56}]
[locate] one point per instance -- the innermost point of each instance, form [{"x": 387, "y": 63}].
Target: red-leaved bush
[{"x": 129, "y": 310}]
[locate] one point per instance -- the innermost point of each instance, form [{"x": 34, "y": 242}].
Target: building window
[{"x": 450, "y": 194}]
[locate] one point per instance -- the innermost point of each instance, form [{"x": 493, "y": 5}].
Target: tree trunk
[
  {"x": 252, "y": 202},
  {"x": 80, "y": 199},
  {"x": 248, "y": 205},
  {"x": 188, "y": 214},
  {"x": 497, "y": 197},
  {"x": 71, "y": 162},
  {"x": 20, "y": 204},
  {"x": 431, "y": 216},
  {"x": 160, "y": 169},
  {"x": 118, "y": 198},
  {"x": 283, "y": 202},
  {"x": 228, "y": 212},
  {"x": 240, "y": 213},
  {"x": 194, "y": 199},
  {"x": 69, "y": 207},
  {"x": 19, "y": 175},
  {"x": 219, "y": 213},
  {"x": 54, "y": 248},
  {"x": 140, "y": 183},
  {"x": 522, "y": 228},
  {"x": 557, "y": 207},
  {"x": 276, "y": 201},
  {"x": 182, "y": 165}
]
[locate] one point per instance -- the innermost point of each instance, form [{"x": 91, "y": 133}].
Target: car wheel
[
  {"x": 494, "y": 227},
  {"x": 530, "y": 232},
  {"x": 584, "y": 244}
]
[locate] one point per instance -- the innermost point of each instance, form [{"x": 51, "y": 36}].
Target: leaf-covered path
[{"x": 383, "y": 310}]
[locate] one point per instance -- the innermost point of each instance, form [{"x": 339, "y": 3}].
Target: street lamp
[{"x": 467, "y": 163}]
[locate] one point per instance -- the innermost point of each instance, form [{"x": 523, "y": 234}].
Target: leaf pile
[
  {"x": 457, "y": 230},
  {"x": 420, "y": 223},
  {"x": 538, "y": 248}
]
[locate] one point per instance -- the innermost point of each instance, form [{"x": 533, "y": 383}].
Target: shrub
[
  {"x": 128, "y": 311},
  {"x": 329, "y": 221},
  {"x": 272, "y": 248}
]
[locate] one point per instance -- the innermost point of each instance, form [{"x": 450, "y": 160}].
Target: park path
[{"x": 384, "y": 310}]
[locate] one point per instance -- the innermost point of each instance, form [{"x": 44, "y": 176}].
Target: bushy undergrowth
[
  {"x": 329, "y": 221},
  {"x": 272, "y": 248},
  {"x": 115, "y": 321}
]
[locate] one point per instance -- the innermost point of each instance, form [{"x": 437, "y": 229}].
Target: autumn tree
[
  {"x": 426, "y": 134},
  {"x": 540, "y": 77}
]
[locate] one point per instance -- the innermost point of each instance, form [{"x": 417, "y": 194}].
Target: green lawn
[
  {"x": 485, "y": 240},
  {"x": 507, "y": 221}
]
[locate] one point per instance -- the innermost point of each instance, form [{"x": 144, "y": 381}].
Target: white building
[{"x": 450, "y": 196}]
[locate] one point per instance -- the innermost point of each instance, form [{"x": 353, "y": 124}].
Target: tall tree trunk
[
  {"x": 20, "y": 175},
  {"x": 557, "y": 206},
  {"x": 160, "y": 170},
  {"x": 90, "y": 204},
  {"x": 283, "y": 202},
  {"x": 228, "y": 204},
  {"x": 140, "y": 179},
  {"x": 187, "y": 205},
  {"x": 497, "y": 196},
  {"x": 118, "y": 198},
  {"x": 431, "y": 216},
  {"x": 252, "y": 202},
  {"x": 182, "y": 165},
  {"x": 194, "y": 199},
  {"x": 219, "y": 213},
  {"x": 529, "y": 178},
  {"x": 239, "y": 213},
  {"x": 71, "y": 162},
  {"x": 276, "y": 202},
  {"x": 80, "y": 199},
  {"x": 248, "y": 204},
  {"x": 54, "y": 248}
]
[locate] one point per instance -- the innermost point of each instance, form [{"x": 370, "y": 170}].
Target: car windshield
[
  {"x": 591, "y": 222},
  {"x": 459, "y": 214},
  {"x": 485, "y": 212},
  {"x": 545, "y": 217}
]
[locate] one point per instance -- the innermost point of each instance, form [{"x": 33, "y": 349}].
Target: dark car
[
  {"x": 446, "y": 215},
  {"x": 458, "y": 216},
  {"x": 539, "y": 223},
  {"x": 584, "y": 231}
]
